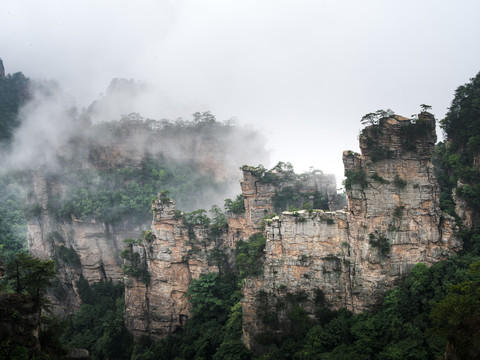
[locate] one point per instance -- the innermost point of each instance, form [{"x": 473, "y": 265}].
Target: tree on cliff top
[{"x": 374, "y": 118}]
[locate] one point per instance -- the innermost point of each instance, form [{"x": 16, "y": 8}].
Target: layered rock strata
[
  {"x": 260, "y": 197},
  {"x": 173, "y": 254},
  {"x": 350, "y": 258},
  {"x": 80, "y": 248}
]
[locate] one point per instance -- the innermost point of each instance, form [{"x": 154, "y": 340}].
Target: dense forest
[{"x": 433, "y": 309}]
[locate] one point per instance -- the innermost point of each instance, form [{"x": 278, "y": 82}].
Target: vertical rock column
[{"x": 173, "y": 254}]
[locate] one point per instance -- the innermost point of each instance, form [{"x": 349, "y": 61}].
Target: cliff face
[
  {"x": 393, "y": 221},
  {"x": 172, "y": 254},
  {"x": 127, "y": 153},
  {"x": 79, "y": 248}
]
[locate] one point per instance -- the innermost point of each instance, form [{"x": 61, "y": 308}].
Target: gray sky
[{"x": 303, "y": 72}]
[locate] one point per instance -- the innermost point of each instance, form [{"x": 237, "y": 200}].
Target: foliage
[
  {"x": 250, "y": 256},
  {"x": 456, "y": 317},
  {"x": 213, "y": 331},
  {"x": 13, "y": 94},
  {"x": 398, "y": 212},
  {"x": 27, "y": 274},
  {"x": 12, "y": 351},
  {"x": 379, "y": 179},
  {"x": 67, "y": 255},
  {"x": 134, "y": 265},
  {"x": 12, "y": 219},
  {"x": 98, "y": 325},
  {"x": 355, "y": 177},
  {"x": 399, "y": 182},
  {"x": 236, "y": 206},
  {"x": 462, "y": 126},
  {"x": 400, "y": 329},
  {"x": 126, "y": 193},
  {"x": 197, "y": 217},
  {"x": 379, "y": 242},
  {"x": 210, "y": 295},
  {"x": 219, "y": 223},
  {"x": 375, "y": 117},
  {"x": 280, "y": 173},
  {"x": 294, "y": 196},
  {"x": 412, "y": 132}
]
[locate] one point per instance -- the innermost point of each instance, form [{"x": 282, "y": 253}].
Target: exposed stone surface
[
  {"x": 259, "y": 194},
  {"x": 173, "y": 255},
  {"x": 114, "y": 146},
  {"x": 95, "y": 248},
  {"x": 333, "y": 258},
  {"x": 393, "y": 222}
]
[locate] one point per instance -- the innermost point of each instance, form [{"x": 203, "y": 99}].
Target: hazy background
[{"x": 303, "y": 72}]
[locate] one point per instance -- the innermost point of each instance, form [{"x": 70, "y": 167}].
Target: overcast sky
[{"x": 303, "y": 72}]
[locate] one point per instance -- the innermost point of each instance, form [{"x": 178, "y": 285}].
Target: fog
[
  {"x": 302, "y": 72},
  {"x": 199, "y": 156}
]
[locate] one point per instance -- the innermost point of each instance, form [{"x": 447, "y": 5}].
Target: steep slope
[
  {"x": 349, "y": 259},
  {"x": 80, "y": 215}
]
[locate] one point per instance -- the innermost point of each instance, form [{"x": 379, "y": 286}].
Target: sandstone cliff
[
  {"x": 172, "y": 254},
  {"x": 348, "y": 259},
  {"x": 90, "y": 244},
  {"x": 79, "y": 247},
  {"x": 176, "y": 252}
]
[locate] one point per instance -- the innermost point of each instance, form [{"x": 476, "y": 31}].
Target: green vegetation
[
  {"x": 27, "y": 274},
  {"x": 13, "y": 227},
  {"x": 379, "y": 242},
  {"x": 456, "y": 159},
  {"x": 98, "y": 325},
  {"x": 236, "y": 206},
  {"x": 126, "y": 193},
  {"x": 379, "y": 179},
  {"x": 353, "y": 177},
  {"x": 250, "y": 256},
  {"x": 376, "y": 117},
  {"x": 212, "y": 332},
  {"x": 135, "y": 266},
  {"x": 412, "y": 132},
  {"x": 398, "y": 212},
  {"x": 399, "y": 182},
  {"x": 67, "y": 255},
  {"x": 282, "y": 172},
  {"x": 13, "y": 94},
  {"x": 294, "y": 197}
]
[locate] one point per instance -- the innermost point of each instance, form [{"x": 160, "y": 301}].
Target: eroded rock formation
[
  {"x": 349, "y": 259},
  {"x": 85, "y": 248},
  {"x": 172, "y": 254}
]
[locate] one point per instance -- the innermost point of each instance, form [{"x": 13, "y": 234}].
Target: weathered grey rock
[
  {"x": 173, "y": 256},
  {"x": 393, "y": 200}
]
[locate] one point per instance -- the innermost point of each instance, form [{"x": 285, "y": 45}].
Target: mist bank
[{"x": 51, "y": 134}]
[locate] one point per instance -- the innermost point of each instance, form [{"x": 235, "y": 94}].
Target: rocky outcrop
[
  {"x": 171, "y": 255},
  {"x": 89, "y": 247},
  {"x": 85, "y": 248},
  {"x": 349, "y": 259},
  {"x": 267, "y": 192}
]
